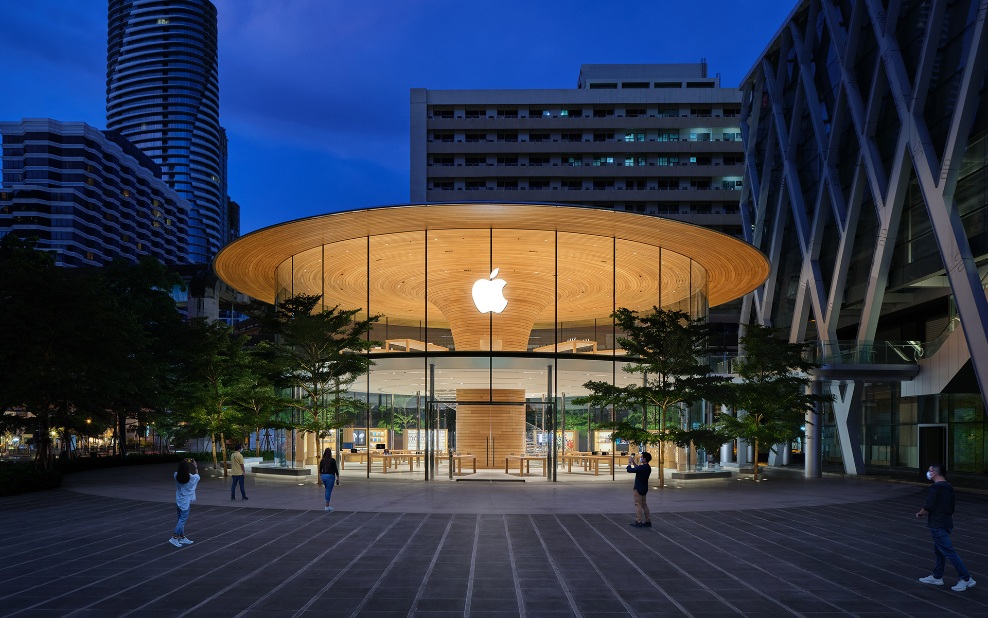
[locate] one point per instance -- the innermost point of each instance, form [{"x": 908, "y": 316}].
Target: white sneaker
[
  {"x": 329, "y": 509},
  {"x": 964, "y": 585},
  {"x": 185, "y": 540},
  {"x": 929, "y": 579},
  {"x": 174, "y": 541}
]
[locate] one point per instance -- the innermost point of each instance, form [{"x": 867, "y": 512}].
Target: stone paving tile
[{"x": 71, "y": 553}]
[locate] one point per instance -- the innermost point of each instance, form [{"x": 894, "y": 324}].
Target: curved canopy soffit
[{"x": 394, "y": 235}]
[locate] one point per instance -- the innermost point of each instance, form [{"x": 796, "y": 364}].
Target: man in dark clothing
[
  {"x": 939, "y": 511},
  {"x": 643, "y": 518}
]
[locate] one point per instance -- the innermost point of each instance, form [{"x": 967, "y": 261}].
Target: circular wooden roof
[{"x": 394, "y": 237}]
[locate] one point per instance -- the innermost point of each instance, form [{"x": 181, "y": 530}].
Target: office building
[
  {"x": 866, "y": 139},
  {"x": 162, "y": 94},
  {"x": 660, "y": 139},
  {"x": 87, "y": 196}
]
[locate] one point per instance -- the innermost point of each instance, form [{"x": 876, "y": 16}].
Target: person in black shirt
[
  {"x": 939, "y": 511},
  {"x": 643, "y": 518},
  {"x": 329, "y": 474}
]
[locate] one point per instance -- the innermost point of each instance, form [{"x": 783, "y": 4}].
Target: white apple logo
[{"x": 488, "y": 294}]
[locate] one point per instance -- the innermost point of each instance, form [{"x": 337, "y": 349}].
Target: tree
[
  {"x": 214, "y": 371},
  {"x": 136, "y": 378},
  {"x": 65, "y": 342},
  {"x": 707, "y": 438},
  {"x": 258, "y": 400},
  {"x": 670, "y": 350},
  {"x": 397, "y": 417},
  {"x": 317, "y": 356},
  {"x": 772, "y": 392}
]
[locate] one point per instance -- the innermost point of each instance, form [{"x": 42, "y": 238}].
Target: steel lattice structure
[{"x": 864, "y": 123}]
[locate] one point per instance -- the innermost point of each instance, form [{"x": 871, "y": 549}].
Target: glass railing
[
  {"x": 874, "y": 352},
  {"x": 846, "y": 353}
]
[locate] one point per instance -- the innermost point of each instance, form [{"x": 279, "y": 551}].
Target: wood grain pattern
[
  {"x": 490, "y": 432},
  {"x": 461, "y": 243}
]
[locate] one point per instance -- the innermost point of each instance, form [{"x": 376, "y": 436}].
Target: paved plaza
[{"x": 404, "y": 547}]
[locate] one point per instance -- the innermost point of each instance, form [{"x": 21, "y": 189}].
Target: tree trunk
[
  {"x": 754, "y": 457},
  {"x": 122, "y": 435},
  {"x": 212, "y": 445},
  {"x": 662, "y": 444},
  {"x": 223, "y": 448}
]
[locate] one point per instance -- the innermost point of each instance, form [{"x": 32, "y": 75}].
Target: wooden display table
[
  {"x": 590, "y": 462},
  {"x": 573, "y": 345},
  {"x": 458, "y": 462},
  {"x": 389, "y": 460},
  {"x": 524, "y": 463},
  {"x": 409, "y": 345},
  {"x": 345, "y": 456}
]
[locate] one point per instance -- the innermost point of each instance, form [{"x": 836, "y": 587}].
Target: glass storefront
[
  {"x": 497, "y": 382},
  {"x": 491, "y": 318}
]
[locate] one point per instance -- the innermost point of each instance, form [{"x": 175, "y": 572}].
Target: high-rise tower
[{"x": 162, "y": 94}]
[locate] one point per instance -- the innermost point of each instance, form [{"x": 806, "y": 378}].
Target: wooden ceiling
[{"x": 527, "y": 242}]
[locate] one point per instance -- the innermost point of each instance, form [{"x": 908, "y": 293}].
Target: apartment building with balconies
[
  {"x": 661, "y": 139},
  {"x": 87, "y": 196}
]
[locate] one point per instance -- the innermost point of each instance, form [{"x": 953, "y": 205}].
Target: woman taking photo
[
  {"x": 329, "y": 474},
  {"x": 186, "y": 479}
]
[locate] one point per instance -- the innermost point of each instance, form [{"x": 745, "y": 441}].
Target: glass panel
[
  {"x": 698, "y": 291},
  {"x": 307, "y": 273},
  {"x": 525, "y": 263},
  {"x": 284, "y": 284},
  {"x": 967, "y": 450},
  {"x": 345, "y": 277},
  {"x": 457, "y": 259},
  {"x": 397, "y": 286},
  {"x": 584, "y": 294}
]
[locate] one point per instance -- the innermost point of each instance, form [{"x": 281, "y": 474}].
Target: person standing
[
  {"x": 329, "y": 474},
  {"x": 939, "y": 511},
  {"x": 238, "y": 471},
  {"x": 186, "y": 480},
  {"x": 643, "y": 517}
]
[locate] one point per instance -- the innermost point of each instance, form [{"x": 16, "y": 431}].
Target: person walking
[
  {"x": 238, "y": 471},
  {"x": 939, "y": 511},
  {"x": 329, "y": 474},
  {"x": 643, "y": 517},
  {"x": 186, "y": 480}
]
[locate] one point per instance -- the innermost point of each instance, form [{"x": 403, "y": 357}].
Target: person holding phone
[
  {"x": 643, "y": 517},
  {"x": 186, "y": 479}
]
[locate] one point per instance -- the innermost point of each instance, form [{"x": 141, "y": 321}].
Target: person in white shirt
[{"x": 186, "y": 479}]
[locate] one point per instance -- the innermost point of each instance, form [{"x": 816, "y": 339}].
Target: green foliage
[
  {"x": 671, "y": 351},
  {"x": 22, "y": 478},
  {"x": 773, "y": 390},
  {"x": 707, "y": 438},
  {"x": 79, "y": 344},
  {"x": 214, "y": 372},
  {"x": 316, "y": 354}
]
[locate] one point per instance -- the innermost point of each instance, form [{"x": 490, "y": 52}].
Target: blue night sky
[{"x": 314, "y": 93}]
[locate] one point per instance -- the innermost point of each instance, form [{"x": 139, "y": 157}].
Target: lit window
[{"x": 162, "y": 21}]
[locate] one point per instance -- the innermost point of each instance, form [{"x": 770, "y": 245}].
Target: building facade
[
  {"x": 660, "y": 139},
  {"x": 866, "y": 183},
  {"x": 87, "y": 196},
  {"x": 162, "y": 94},
  {"x": 492, "y": 317}
]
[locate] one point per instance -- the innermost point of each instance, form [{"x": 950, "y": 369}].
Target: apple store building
[{"x": 491, "y": 319}]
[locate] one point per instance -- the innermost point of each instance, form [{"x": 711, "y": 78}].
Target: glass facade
[
  {"x": 491, "y": 318},
  {"x": 874, "y": 214},
  {"x": 162, "y": 94},
  {"x": 490, "y": 377}
]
